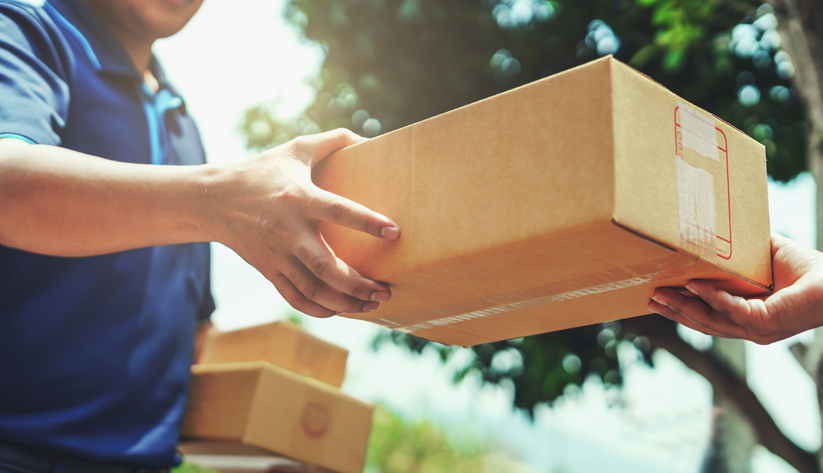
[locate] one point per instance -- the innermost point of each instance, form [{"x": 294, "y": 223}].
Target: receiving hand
[
  {"x": 269, "y": 212},
  {"x": 795, "y": 306}
]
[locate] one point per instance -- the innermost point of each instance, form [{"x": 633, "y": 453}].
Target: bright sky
[{"x": 236, "y": 54}]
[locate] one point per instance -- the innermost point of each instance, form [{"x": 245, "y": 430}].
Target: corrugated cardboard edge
[{"x": 766, "y": 289}]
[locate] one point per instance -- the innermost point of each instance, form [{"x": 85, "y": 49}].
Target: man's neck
[
  {"x": 151, "y": 81},
  {"x": 138, "y": 50},
  {"x": 136, "y": 46}
]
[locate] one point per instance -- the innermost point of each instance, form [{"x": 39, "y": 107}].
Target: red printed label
[{"x": 704, "y": 196}]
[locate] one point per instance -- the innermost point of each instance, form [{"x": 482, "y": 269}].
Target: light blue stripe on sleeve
[{"x": 17, "y": 137}]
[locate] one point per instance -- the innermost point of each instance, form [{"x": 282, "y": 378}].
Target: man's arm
[{"x": 64, "y": 203}]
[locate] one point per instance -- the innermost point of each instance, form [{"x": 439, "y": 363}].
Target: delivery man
[{"x": 106, "y": 208}]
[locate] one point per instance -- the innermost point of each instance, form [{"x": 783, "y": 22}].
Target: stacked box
[
  {"x": 282, "y": 343},
  {"x": 274, "y": 388}
]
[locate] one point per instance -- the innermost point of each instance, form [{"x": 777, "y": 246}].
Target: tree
[
  {"x": 801, "y": 25},
  {"x": 394, "y": 62}
]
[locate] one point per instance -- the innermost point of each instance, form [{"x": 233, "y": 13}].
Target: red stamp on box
[{"x": 315, "y": 419}]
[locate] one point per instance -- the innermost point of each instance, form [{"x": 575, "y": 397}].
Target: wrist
[
  {"x": 212, "y": 210},
  {"x": 208, "y": 218}
]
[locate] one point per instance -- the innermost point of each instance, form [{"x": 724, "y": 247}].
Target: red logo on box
[{"x": 315, "y": 419}]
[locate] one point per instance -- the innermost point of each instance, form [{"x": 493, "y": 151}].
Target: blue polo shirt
[{"x": 95, "y": 352}]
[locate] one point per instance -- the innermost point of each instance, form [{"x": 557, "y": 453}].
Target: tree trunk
[
  {"x": 735, "y": 435},
  {"x": 728, "y": 384},
  {"x": 800, "y": 23}
]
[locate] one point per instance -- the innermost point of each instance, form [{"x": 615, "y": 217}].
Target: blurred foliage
[
  {"x": 390, "y": 63},
  {"x": 187, "y": 467},
  {"x": 400, "y": 446},
  {"x": 295, "y": 317},
  {"x": 542, "y": 367}
]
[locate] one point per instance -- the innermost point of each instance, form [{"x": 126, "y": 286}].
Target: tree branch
[{"x": 726, "y": 383}]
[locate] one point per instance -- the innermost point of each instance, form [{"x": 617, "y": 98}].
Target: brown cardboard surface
[
  {"x": 557, "y": 204},
  {"x": 282, "y": 343},
  {"x": 261, "y": 405}
]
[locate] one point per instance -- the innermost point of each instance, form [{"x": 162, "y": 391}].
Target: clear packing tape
[
  {"x": 558, "y": 291},
  {"x": 695, "y": 130}
]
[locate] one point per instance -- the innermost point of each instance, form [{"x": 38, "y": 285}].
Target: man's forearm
[{"x": 64, "y": 203}]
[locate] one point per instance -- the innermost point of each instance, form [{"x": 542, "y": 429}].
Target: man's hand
[
  {"x": 795, "y": 306},
  {"x": 269, "y": 212},
  {"x": 60, "y": 202}
]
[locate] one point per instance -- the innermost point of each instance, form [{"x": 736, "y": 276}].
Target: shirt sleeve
[{"x": 34, "y": 60}]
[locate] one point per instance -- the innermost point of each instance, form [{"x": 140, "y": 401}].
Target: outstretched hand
[
  {"x": 269, "y": 212},
  {"x": 795, "y": 306}
]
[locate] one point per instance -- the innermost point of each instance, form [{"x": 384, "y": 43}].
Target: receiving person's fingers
[
  {"x": 321, "y": 293},
  {"x": 698, "y": 312},
  {"x": 779, "y": 241},
  {"x": 667, "y": 312},
  {"x": 297, "y": 300},
  {"x": 316, "y": 255},
  {"x": 332, "y": 208},
  {"x": 315, "y": 148},
  {"x": 734, "y": 308}
]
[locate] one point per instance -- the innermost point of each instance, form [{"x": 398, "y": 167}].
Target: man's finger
[
  {"x": 698, "y": 312},
  {"x": 732, "y": 307},
  {"x": 332, "y": 208},
  {"x": 321, "y": 293},
  {"x": 297, "y": 300},
  {"x": 316, "y": 255},
  {"x": 318, "y": 146}
]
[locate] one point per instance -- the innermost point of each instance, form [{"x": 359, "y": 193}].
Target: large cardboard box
[
  {"x": 562, "y": 203},
  {"x": 282, "y": 343},
  {"x": 257, "y": 404}
]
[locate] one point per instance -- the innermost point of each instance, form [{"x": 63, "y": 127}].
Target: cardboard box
[
  {"x": 257, "y": 404},
  {"x": 281, "y": 343},
  {"x": 562, "y": 203}
]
